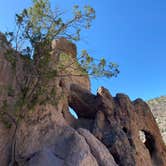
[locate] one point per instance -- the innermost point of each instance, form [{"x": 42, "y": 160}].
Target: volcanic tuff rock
[
  {"x": 106, "y": 132},
  {"x": 158, "y": 107}
]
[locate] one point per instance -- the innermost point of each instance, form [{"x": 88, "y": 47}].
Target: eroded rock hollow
[{"x": 106, "y": 133}]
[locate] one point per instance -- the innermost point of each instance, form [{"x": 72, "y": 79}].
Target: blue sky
[{"x": 131, "y": 33}]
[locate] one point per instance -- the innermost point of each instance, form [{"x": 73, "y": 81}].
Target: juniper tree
[
  {"x": 39, "y": 24},
  {"x": 36, "y": 28}
]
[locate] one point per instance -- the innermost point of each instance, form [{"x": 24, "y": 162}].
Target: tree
[
  {"x": 36, "y": 28},
  {"x": 38, "y": 25}
]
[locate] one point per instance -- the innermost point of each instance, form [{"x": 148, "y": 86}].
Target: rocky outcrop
[
  {"x": 106, "y": 132},
  {"x": 99, "y": 151},
  {"x": 158, "y": 107},
  {"x": 118, "y": 122},
  {"x": 126, "y": 119}
]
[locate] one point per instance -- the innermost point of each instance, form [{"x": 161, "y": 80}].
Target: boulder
[{"x": 98, "y": 149}]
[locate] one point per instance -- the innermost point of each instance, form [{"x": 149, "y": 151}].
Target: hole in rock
[
  {"x": 73, "y": 113},
  {"x": 80, "y": 122},
  {"x": 148, "y": 141},
  {"x": 125, "y": 129}
]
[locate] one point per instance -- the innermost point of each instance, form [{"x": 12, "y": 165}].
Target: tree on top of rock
[{"x": 38, "y": 25}]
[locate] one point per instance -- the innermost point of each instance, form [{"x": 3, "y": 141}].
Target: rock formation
[
  {"x": 158, "y": 107},
  {"x": 106, "y": 132}
]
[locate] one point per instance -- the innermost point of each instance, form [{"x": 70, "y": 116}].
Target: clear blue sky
[{"x": 131, "y": 33}]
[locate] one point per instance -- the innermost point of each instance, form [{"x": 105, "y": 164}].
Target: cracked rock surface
[{"x": 106, "y": 132}]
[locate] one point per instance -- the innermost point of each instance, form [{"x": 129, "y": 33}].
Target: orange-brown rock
[
  {"x": 106, "y": 132},
  {"x": 118, "y": 123}
]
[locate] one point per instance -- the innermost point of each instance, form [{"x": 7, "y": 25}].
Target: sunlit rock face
[
  {"x": 158, "y": 107},
  {"x": 106, "y": 133},
  {"x": 73, "y": 73}
]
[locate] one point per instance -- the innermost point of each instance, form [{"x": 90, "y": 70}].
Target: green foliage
[
  {"x": 39, "y": 23},
  {"x": 99, "y": 69},
  {"x": 37, "y": 26}
]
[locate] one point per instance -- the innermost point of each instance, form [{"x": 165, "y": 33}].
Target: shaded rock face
[
  {"x": 117, "y": 124},
  {"x": 106, "y": 132},
  {"x": 122, "y": 121}
]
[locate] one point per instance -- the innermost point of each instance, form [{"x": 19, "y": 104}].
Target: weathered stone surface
[
  {"x": 79, "y": 152},
  {"x": 78, "y": 149},
  {"x": 82, "y": 101},
  {"x": 99, "y": 151},
  {"x": 45, "y": 158},
  {"x": 158, "y": 108},
  {"x": 118, "y": 124},
  {"x": 51, "y": 131},
  {"x": 73, "y": 72},
  {"x": 5, "y": 145},
  {"x": 148, "y": 125},
  {"x": 69, "y": 150},
  {"x": 64, "y": 46},
  {"x": 106, "y": 133}
]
